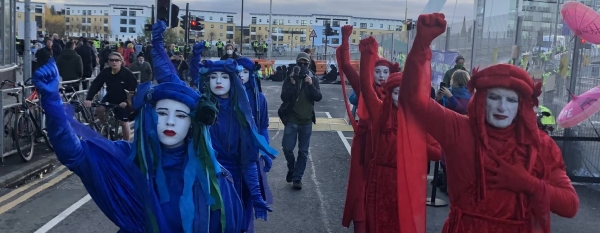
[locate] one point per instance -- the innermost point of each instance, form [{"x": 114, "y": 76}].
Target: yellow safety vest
[{"x": 220, "y": 44}]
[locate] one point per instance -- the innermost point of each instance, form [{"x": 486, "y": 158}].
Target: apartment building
[
  {"x": 38, "y": 9},
  {"x": 296, "y": 29},
  {"x": 127, "y": 21},
  {"x": 87, "y": 21},
  {"x": 217, "y": 25}
]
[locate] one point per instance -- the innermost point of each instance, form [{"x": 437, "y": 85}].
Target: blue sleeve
[
  {"x": 195, "y": 64},
  {"x": 106, "y": 176},
  {"x": 452, "y": 102},
  {"x": 164, "y": 71},
  {"x": 264, "y": 116}
]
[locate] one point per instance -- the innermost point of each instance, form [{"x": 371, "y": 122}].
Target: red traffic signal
[
  {"x": 193, "y": 23},
  {"x": 583, "y": 41}
]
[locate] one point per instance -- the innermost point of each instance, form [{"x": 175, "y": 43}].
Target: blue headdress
[
  {"x": 240, "y": 104},
  {"x": 201, "y": 165}
]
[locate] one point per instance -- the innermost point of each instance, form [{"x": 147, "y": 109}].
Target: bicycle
[
  {"x": 82, "y": 114},
  {"x": 26, "y": 119},
  {"x": 111, "y": 128}
]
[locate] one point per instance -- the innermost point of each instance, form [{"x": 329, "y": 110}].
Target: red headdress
[
  {"x": 394, "y": 67},
  {"x": 389, "y": 116}
]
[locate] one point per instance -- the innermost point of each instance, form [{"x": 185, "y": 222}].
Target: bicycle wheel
[
  {"x": 105, "y": 131},
  {"x": 24, "y": 137},
  {"x": 42, "y": 131}
]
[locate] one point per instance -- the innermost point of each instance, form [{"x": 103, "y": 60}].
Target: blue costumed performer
[
  {"x": 168, "y": 179},
  {"x": 235, "y": 136}
]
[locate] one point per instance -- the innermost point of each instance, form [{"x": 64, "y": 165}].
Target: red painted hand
[
  {"x": 512, "y": 177},
  {"x": 346, "y": 32},
  {"x": 430, "y": 26},
  {"x": 368, "y": 45}
]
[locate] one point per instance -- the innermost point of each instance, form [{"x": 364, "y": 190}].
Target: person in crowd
[
  {"x": 181, "y": 65},
  {"x": 362, "y": 142},
  {"x": 57, "y": 46},
  {"x": 459, "y": 65},
  {"x": 69, "y": 65},
  {"x": 504, "y": 174},
  {"x": 220, "y": 48},
  {"x": 167, "y": 180},
  {"x": 88, "y": 57},
  {"x": 171, "y": 50},
  {"x": 230, "y": 53},
  {"x": 331, "y": 76},
  {"x": 103, "y": 56},
  {"x": 299, "y": 93},
  {"x": 456, "y": 98},
  {"x": 312, "y": 66},
  {"x": 235, "y": 136},
  {"x": 117, "y": 79},
  {"x": 143, "y": 67},
  {"x": 129, "y": 55},
  {"x": 43, "y": 54}
]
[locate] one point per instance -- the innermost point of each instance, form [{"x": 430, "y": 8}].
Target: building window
[
  {"x": 281, "y": 22},
  {"x": 39, "y": 10},
  {"x": 335, "y": 23},
  {"x": 123, "y": 21},
  {"x": 131, "y": 21},
  {"x": 89, "y": 12},
  {"x": 335, "y": 40},
  {"x": 221, "y": 19},
  {"x": 105, "y": 20},
  {"x": 68, "y": 12},
  {"x": 296, "y": 38},
  {"x": 67, "y": 19},
  {"x": 229, "y": 36},
  {"x": 303, "y": 23},
  {"x": 131, "y": 30},
  {"x": 312, "y": 22},
  {"x": 212, "y": 26},
  {"x": 123, "y": 13},
  {"x": 353, "y": 40},
  {"x": 38, "y": 21},
  {"x": 253, "y": 20},
  {"x": 253, "y": 37},
  {"x": 297, "y": 21},
  {"x": 354, "y": 32},
  {"x": 363, "y": 25},
  {"x": 230, "y": 28},
  {"x": 259, "y": 28},
  {"x": 105, "y": 29},
  {"x": 354, "y": 24},
  {"x": 221, "y": 26},
  {"x": 123, "y": 29},
  {"x": 260, "y": 20},
  {"x": 370, "y": 25},
  {"x": 210, "y": 18},
  {"x": 252, "y": 29},
  {"x": 380, "y": 25},
  {"x": 132, "y": 13},
  {"x": 302, "y": 39},
  {"x": 221, "y": 34}
]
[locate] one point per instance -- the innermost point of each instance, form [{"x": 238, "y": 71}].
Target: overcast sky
[{"x": 389, "y": 9}]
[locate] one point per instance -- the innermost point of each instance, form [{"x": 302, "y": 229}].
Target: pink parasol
[
  {"x": 580, "y": 108},
  {"x": 582, "y": 20}
]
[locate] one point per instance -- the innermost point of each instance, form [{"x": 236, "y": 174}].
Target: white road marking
[
  {"x": 341, "y": 135},
  {"x": 322, "y": 208},
  {"x": 56, "y": 220}
]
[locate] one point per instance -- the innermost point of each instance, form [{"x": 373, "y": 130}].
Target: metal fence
[{"x": 534, "y": 32}]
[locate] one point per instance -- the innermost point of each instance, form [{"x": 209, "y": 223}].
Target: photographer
[{"x": 299, "y": 93}]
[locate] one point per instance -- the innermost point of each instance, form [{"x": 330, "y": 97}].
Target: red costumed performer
[
  {"x": 504, "y": 174},
  {"x": 381, "y": 199},
  {"x": 362, "y": 150}
]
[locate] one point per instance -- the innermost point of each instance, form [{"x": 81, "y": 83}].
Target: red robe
[
  {"x": 381, "y": 198},
  {"x": 476, "y": 208},
  {"x": 361, "y": 149}
]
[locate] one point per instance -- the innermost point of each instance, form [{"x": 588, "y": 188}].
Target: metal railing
[{"x": 7, "y": 146}]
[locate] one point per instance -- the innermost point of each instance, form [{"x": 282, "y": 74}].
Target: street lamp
[
  {"x": 242, "y": 31},
  {"x": 270, "y": 39}
]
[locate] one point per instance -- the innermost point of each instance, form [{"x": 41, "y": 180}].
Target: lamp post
[
  {"x": 242, "y": 31},
  {"x": 270, "y": 39}
]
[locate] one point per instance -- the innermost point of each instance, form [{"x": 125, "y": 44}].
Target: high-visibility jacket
[{"x": 220, "y": 44}]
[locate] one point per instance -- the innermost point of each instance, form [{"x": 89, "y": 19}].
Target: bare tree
[
  {"x": 211, "y": 36},
  {"x": 97, "y": 30},
  {"x": 76, "y": 26}
]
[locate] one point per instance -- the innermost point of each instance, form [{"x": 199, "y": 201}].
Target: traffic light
[
  {"x": 585, "y": 45},
  {"x": 409, "y": 25},
  {"x": 163, "y": 8},
  {"x": 196, "y": 24},
  {"x": 184, "y": 21}
]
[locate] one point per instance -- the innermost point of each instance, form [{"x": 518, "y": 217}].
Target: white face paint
[
  {"x": 395, "y": 95},
  {"x": 245, "y": 76},
  {"x": 220, "y": 84},
  {"x": 173, "y": 122},
  {"x": 381, "y": 74},
  {"x": 501, "y": 107}
]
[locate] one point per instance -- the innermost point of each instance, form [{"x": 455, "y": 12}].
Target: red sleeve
[
  {"x": 434, "y": 150},
  {"x": 343, "y": 58},
  {"x": 415, "y": 91},
  {"x": 368, "y": 56}
]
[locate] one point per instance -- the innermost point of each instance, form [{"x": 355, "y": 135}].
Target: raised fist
[
  {"x": 368, "y": 45},
  {"x": 430, "y": 26},
  {"x": 45, "y": 78},
  {"x": 199, "y": 47},
  {"x": 158, "y": 29},
  {"x": 346, "y": 32}
]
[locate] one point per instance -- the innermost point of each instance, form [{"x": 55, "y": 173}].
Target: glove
[
  {"x": 268, "y": 162},
  {"x": 512, "y": 177},
  {"x": 251, "y": 178},
  {"x": 368, "y": 45},
  {"x": 346, "y": 33},
  {"x": 158, "y": 30},
  {"x": 45, "y": 80},
  {"x": 199, "y": 47},
  {"x": 430, "y": 27},
  {"x": 206, "y": 111}
]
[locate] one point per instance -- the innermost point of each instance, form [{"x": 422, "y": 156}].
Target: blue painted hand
[{"x": 45, "y": 78}]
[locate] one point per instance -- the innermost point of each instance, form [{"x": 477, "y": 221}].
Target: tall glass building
[{"x": 8, "y": 52}]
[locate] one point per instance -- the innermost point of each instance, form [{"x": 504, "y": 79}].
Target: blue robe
[{"x": 113, "y": 181}]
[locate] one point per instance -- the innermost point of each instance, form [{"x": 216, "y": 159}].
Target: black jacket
[
  {"x": 88, "y": 58},
  {"x": 42, "y": 56},
  {"x": 69, "y": 65},
  {"x": 289, "y": 94}
]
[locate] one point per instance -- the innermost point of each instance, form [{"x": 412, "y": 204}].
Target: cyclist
[{"x": 117, "y": 79}]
